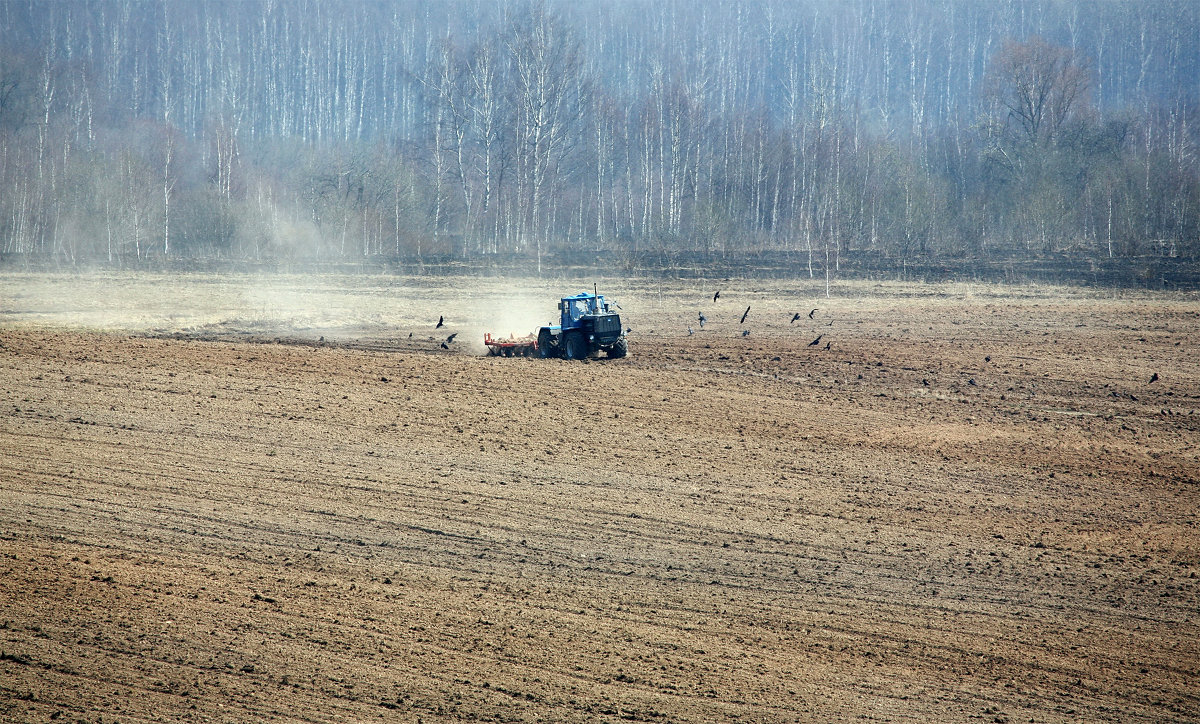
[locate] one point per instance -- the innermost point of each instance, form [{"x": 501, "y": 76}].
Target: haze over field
[
  {"x": 865, "y": 133},
  {"x": 299, "y": 306},
  {"x": 345, "y": 306}
]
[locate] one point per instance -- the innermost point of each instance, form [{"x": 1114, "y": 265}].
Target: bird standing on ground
[
  {"x": 816, "y": 341},
  {"x": 691, "y": 331},
  {"x": 745, "y": 313},
  {"x": 440, "y": 321},
  {"x": 1154, "y": 377}
]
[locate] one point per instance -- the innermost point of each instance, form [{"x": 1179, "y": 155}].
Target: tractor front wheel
[
  {"x": 576, "y": 345},
  {"x": 619, "y": 349},
  {"x": 546, "y": 346}
]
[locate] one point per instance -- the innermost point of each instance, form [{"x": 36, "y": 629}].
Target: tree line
[{"x": 302, "y": 129}]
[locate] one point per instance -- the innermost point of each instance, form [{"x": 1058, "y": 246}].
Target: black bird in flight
[
  {"x": 1154, "y": 377},
  {"x": 445, "y": 346},
  {"x": 816, "y": 341},
  {"x": 745, "y": 333},
  {"x": 745, "y": 313},
  {"x": 703, "y": 319},
  {"x": 451, "y": 338},
  {"x": 439, "y": 324},
  {"x": 826, "y": 345},
  {"x": 795, "y": 317},
  {"x": 810, "y": 314},
  {"x": 716, "y": 295}
]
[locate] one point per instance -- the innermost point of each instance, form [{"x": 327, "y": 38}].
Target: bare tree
[
  {"x": 546, "y": 66},
  {"x": 1040, "y": 87}
]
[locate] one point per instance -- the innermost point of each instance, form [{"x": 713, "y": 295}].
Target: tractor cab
[{"x": 575, "y": 308}]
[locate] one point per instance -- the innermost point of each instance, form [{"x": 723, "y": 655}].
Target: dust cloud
[
  {"x": 337, "y": 307},
  {"x": 146, "y": 302},
  {"x": 515, "y": 310}
]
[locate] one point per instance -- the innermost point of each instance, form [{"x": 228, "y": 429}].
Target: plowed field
[{"x": 263, "y": 500}]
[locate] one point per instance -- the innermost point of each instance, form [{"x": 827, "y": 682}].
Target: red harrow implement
[{"x": 513, "y": 346}]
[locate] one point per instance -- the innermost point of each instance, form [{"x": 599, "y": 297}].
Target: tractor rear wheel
[{"x": 576, "y": 345}]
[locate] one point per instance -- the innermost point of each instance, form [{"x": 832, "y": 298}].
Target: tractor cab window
[{"x": 579, "y": 307}]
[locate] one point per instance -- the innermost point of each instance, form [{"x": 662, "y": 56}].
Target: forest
[{"x": 829, "y": 132}]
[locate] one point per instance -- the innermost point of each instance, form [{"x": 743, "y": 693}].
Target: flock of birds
[
  {"x": 797, "y": 316},
  {"x": 449, "y": 340},
  {"x": 702, "y": 320},
  {"x": 746, "y": 333},
  {"x": 441, "y": 323}
]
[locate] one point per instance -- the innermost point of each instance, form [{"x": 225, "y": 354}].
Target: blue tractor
[{"x": 587, "y": 326}]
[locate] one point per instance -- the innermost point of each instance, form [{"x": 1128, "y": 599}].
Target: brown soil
[{"x": 973, "y": 506}]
